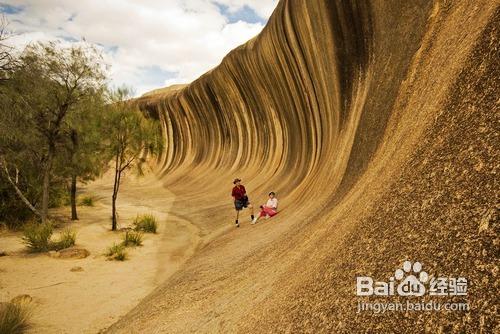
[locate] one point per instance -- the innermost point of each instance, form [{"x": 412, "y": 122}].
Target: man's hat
[{"x": 236, "y": 180}]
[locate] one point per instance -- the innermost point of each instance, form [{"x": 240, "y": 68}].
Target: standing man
[{"x": 240, "y": 200}]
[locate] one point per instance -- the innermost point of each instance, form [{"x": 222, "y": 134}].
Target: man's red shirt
[{"x": 238, "y": 192}]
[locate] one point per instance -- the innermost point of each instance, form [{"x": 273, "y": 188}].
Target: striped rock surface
[{"x": 376, "y": 123}]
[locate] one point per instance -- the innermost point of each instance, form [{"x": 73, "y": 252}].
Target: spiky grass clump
[
  {"x": 146, "y": 223},
  {"x": 116, "y": 252},
  {"x": 132, "y": 238},
  {"x": 67, "y": 239},
  {"x": 87, "y": 201},
  {"x": 37, "y": 236},
  {"x": 14, "y": 317}
]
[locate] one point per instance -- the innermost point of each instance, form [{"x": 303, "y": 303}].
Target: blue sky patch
[
  {"x": 68, "y": 38},
  {"x": 9, "y": 10},
  {"x": 155, "y": 76},
  {"x": 109, "y": 49},
  {"x": 245, "y": 14}
]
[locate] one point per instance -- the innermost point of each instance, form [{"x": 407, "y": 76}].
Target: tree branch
[{"x": 18, "y": 191}]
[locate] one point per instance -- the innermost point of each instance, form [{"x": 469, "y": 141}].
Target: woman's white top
[{"x": 272, "y": 203}]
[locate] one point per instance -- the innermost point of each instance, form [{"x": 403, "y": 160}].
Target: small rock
[
  {"x": 3, "y": 253},
  {"x": 483, "y": 225},
  {"x": 21, "y": 299},
  {"x": 73, "y": 253},
  {"x": 76, "y": 269},
  {"x": 490, "y": 215}
]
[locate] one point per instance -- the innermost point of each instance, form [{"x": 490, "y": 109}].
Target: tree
[
  {"x": 133, "y": 138},
  {"x": 48, "y": 85},
  {"x": 84, "y": 155}
]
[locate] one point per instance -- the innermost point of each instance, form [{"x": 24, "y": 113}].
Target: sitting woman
[{"x": 268, "y": 210}]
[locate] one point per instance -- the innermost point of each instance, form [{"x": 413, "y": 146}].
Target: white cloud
[{"x": 144, "y": 40}]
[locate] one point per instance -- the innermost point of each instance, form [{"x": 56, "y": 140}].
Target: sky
[{"x": 147, "y": 43}]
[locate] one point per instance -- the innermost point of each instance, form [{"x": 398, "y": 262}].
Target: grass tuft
[
  {"x": 146, "y": 223},
  {"x": 87, "y": 201},
  {"x": 116, "y": 252},
  {"x": 132, "y": 238},
  {"x": 37, "y": 236},
  {"x": 66, "y": 240},
  {"x": 14, "y": 317}
]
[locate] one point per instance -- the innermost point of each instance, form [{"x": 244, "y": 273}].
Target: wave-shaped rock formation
[{"x": 376, "y": 122}]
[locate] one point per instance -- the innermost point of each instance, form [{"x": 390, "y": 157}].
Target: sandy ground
[{"x": 91, "y": 300}]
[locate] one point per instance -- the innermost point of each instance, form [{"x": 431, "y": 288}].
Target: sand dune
[{"x": 377, "y": 125}]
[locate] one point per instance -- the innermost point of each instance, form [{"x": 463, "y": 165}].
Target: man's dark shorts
[{"x": 239, "y": 204}]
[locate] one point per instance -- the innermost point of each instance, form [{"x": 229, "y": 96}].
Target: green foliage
[
  {"x": 59, "y": 195},
  {"x": 37, "y": 236},
  {"x": 132, "y": 238},
  {"x": 87, "y": 201},
  {"x": 52, "y": 94},
  {"x": 116, "y": 252},
  {"x": 14, "y": 318},
  {"x": 132, "y": 138},
  {"x": 84, "y": 152},
  {"x": 132, "y": 135},
  {"x": 67, "y": 239},
  {"x": 146, "y": 223}
]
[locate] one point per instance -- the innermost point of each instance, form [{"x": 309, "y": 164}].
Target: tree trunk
[
  {"x": 114, "y": 221},
  {"x": 46, "y": 184},
  {"x": 116, "y": 187},
  {"x": 113, "y": 198},
  {"x": 74, "y": 149},
  {"x": 74, "y": 215},
  {"x": 18, "y": 191}
]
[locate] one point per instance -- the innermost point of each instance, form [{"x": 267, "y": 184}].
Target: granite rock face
[{"x": 376, "y": 122}]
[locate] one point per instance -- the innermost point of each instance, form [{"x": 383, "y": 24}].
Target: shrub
[
  {"x": 132, "y": 238},
  {"x": 87, "y": 201},
  {"x": 66, "y": 240},
  {"x": 63, "y": 200},
  {"x": 116, "y": 252},
  {"x": 14, "y": 317},
  {"x": 37, "y": 236},
  {"x": 146, "y": 223}
]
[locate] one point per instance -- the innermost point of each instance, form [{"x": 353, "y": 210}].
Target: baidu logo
[
  {"x": 411, "y": 285},
  {"x": 411, "y": 280}
]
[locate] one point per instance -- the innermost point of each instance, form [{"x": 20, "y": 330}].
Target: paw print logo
[{"x": 411, "y": 285}]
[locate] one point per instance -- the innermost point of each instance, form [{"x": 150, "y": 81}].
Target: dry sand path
[{"x": 90, "y": 300}]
